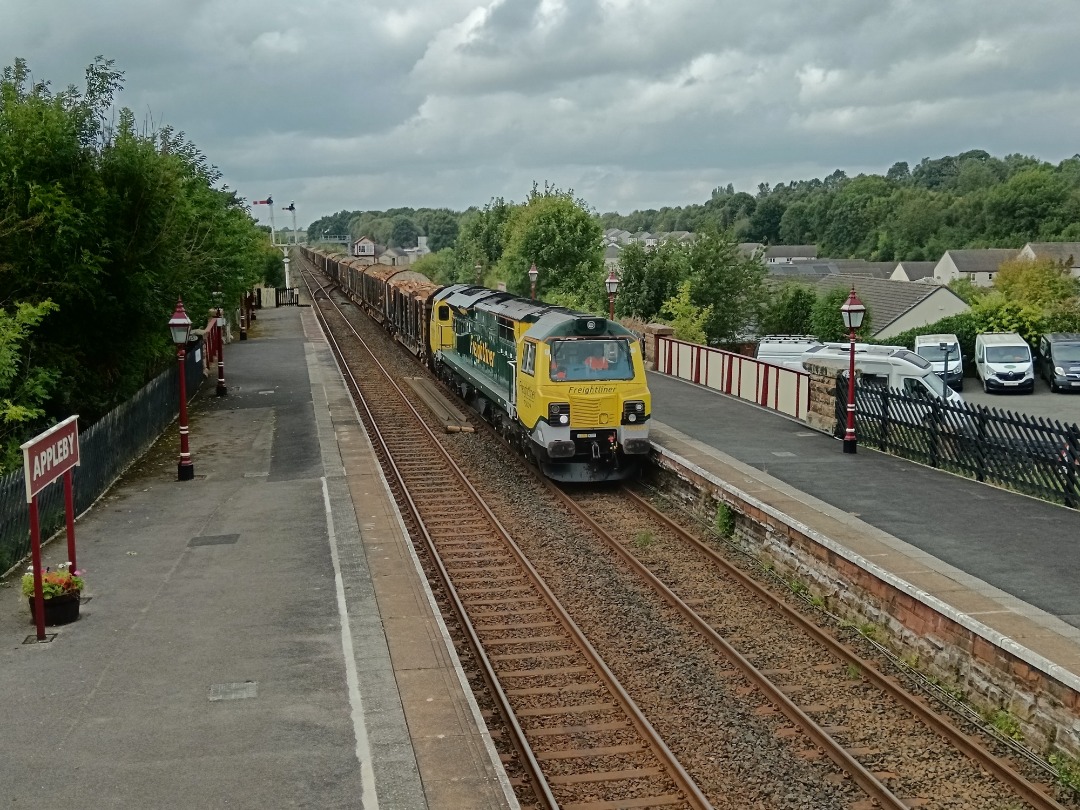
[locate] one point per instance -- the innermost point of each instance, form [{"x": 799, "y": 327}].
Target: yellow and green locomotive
[{"x": 568, "y": 387}]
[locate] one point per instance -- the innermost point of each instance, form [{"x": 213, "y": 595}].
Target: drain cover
[
  {"x": 234, "y": 691},
  {"x": 214, "y": 540}
]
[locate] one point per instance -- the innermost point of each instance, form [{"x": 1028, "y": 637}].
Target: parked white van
[
  {"x": 1003, "y": 362},
  {"x": 784, "y": 350},
  {"x": 936, "y": 348},
  {"x": 885, "y": 366}
]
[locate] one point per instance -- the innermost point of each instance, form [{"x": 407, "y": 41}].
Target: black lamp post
[
  {"x": 180, "y": 327},
  {"x": 853, "y": 311},
  {"x": 612, "y": 284},
  {"x": 946, "y": 350},
  {"x": 533, "y": 274}
]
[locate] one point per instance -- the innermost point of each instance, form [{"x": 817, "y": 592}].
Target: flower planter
[{"x": 58, "y": 610}]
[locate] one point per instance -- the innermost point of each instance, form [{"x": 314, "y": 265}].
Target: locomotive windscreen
[{"x": 591, "y": 359}]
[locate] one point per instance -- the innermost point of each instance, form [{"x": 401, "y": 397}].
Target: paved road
[{"x": 1062, "y": 407}]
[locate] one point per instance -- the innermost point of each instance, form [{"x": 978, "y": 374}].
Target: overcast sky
[{"x": 360, "y": 104}]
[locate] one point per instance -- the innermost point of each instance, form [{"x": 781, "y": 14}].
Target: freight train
[{"x": 567, "y": 387}]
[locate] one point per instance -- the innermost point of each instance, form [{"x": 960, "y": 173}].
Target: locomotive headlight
[
  {"x": 559, "y": 413},
  {"x": 633, "y": 410},
  {"x": 564, "y": 419}
]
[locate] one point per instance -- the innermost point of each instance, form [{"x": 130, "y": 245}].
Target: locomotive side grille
[{"x": 590, "y": 411}]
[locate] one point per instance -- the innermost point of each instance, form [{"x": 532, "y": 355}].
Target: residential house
[
  {"x": 750, "y": 248},
  {"x": 978, "y": 266},
  {"x": 859, "y": 267},
  {"x": 611, "y": 257},
  {"x": 897, "y": 306},
  {"x": 913, "y": 271},
  {"x": 1065, "y": 252},
  {"x": 780, "y": 254}
]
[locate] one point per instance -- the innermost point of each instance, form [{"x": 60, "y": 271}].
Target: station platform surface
[
  {"x": 1010, "y": 562},
  {"x": 261, "y": 636}
]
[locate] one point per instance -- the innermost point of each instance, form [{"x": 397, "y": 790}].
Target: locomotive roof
[
  {"x": 559, "y": 322},
  {"x": 548, "y": 321}
]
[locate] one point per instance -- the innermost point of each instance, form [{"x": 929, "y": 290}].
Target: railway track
[
  {"x": 835, "y": 697},
  {"x": 576, "y": 733},
  {"x": 807, "y": 689}
]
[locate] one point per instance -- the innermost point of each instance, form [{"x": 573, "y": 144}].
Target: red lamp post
[
  {"x": 533, "y": 274},
  {"x": 180, "y": 327},
  {"x": 612, "y": 284},
  {"x": 853, "y": 311}
]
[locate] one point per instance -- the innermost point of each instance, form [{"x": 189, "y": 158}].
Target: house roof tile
[{"x": 887, "y": 300}]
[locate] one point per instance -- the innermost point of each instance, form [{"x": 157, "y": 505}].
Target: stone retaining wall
[{"x": 991, "y": 672}]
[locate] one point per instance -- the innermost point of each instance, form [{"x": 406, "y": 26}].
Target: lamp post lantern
[
  {"x": 533, "y": 274},
  {"x": 180, "y": 327},
  {"x": 853, "y": 311},
  {"x": 612, "y": 284}
]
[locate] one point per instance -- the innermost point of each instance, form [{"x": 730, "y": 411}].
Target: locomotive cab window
[
  {"x": 528, "y": 358},
  {"x": 591, "y": 359},
  {"x": 444, "y": 312}
]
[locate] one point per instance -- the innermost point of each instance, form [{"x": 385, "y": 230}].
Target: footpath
[{"x": 258, "y": 637}]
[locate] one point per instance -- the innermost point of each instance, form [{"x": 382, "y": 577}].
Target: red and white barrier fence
[{"x": 786, "y": 390}]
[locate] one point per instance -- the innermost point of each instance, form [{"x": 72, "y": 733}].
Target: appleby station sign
[
  {"x": 50, "y": 455},
  {"x": 46, "y": 457}
]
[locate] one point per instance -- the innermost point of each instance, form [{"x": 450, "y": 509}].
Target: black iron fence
[
  {"x": 106, "y": 448},
  {"x": 1036, "y": 456},
  {"x": 287, "y": 296}
]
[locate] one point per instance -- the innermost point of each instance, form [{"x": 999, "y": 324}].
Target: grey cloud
[{"x": 633, "y": 103}]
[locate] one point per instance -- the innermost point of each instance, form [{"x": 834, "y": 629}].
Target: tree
[
  {"x": 1042, "y": 284},
  {"x": 788, "y": 311},
  {"x": 827, "y": 319},
  {"x": 109, "y": 223},
  {"x": 557, "y": 232},
  {"x": 649, "y": 278},
  {"x": 687, "y": 319},
  {"x": 442, "y": 229},
  {"x": 403, "y": 232},
  {"x": 730, "y": 284}
]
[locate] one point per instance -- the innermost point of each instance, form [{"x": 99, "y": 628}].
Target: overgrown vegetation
[{"x": 103, "y": 225}]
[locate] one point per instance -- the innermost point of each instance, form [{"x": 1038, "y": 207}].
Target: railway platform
[
  {"x": 977, "y": 553},
  {"x": 261, "y": 636}
]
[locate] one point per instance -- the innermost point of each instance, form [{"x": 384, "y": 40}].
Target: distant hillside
[{"x": 967, "y": 200}]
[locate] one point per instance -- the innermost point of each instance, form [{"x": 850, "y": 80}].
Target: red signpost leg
[
  {"x": 69, "y": 511},
  {"x": 35, "y": 558}
]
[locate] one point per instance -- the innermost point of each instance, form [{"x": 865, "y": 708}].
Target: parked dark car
[{"x": 1058, "y": 360}]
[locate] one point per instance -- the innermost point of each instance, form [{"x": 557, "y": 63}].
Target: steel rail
[
  {"x": 517, "y": 734},
  {"x": 1026, "y": 789},
  {"x": 837, "y": 753},
  {"x": 674, "y": 768}
]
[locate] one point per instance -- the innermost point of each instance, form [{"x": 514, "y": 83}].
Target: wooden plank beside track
[{"x": 452, "y": 419}]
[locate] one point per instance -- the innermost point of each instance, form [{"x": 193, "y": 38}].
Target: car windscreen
[
  {"x": 1008, "y": 354},
  {"x": 934, "y": 353},
  {"x": 1066, "y": 353},
  {"x": 591, "y": 359}
]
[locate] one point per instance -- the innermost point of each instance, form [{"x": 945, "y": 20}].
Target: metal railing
[
  {"x": 781, "y": 389},
  {"x": 1032, "y": 455},
  {"x": 106, "y": 449}
]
